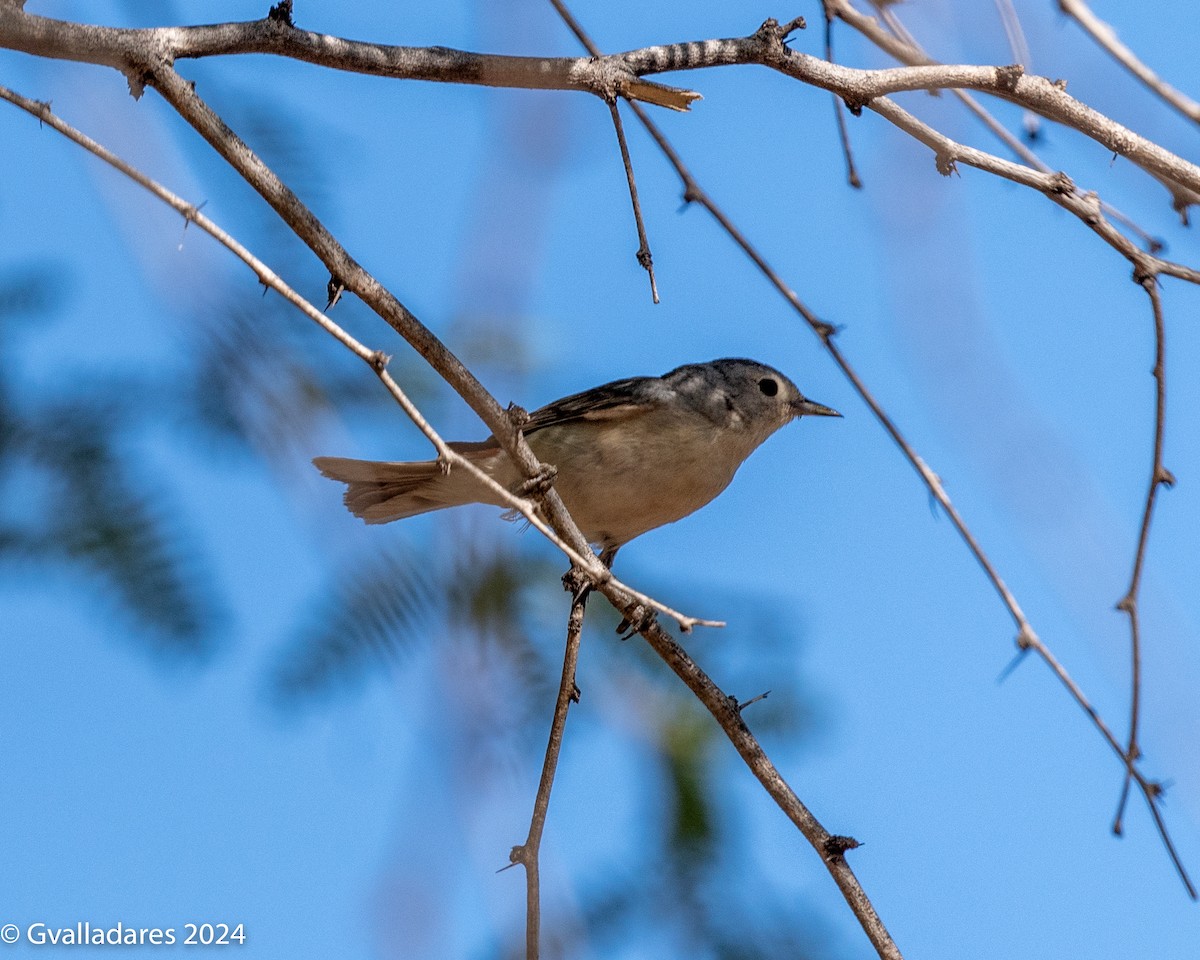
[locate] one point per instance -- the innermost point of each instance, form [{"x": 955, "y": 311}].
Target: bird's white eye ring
[{"x": 768, "y": 386}]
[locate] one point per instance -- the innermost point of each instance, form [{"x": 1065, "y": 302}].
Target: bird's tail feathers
[{"x": 382, "y": 491}]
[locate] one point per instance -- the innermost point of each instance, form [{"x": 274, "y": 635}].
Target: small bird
[{"x": 630, "y": 455}]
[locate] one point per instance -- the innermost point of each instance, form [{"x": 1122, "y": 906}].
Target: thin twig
[
  {"x": 1106, "y": 36},
  {"x": 376, "y": 359},
  {"x": 1062, "y": 191},
  {"x": 644, "y": 256},
  {"x": 1159, "y": 477},
  {"x": 527, "y": 853},
  {"x": 839, "y": 108},
  {"x": 1045, "y": 97},
  {"x": 1020, "y": 50},
  {"x": 917, "y": 55}
]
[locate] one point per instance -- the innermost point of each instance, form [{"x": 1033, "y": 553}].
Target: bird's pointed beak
[{"x": 810, "y": 408}]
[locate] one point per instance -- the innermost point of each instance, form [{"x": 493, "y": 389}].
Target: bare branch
[
  {"x": 144, "y": 54},
  {"x": 644, "y": 257},
  {"x": 1159, "y": 477},
  {"x": 831, "y": 848},
  {"x": 1057, "y": 187},
  {"x": 839, "y": 108},
  {"x": 1107, "y": 38},
  {"x": 584, "y": 559},
  {"x": 527, "y": 853},
  {"x": 1043, "y": 96},
  {"x": 130, "y": 50},
  {"x": 912, "y": 53}
]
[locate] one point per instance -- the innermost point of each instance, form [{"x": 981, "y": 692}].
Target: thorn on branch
[
  {"x": 333, "y": 292},
  {"x": 1127, "y": 604},
  {"x": 835, "y": 846},
  {"x": 739, "y": 707},
  {"x": 282, "y": 13},
  {"x": 1165, "y": 477},
  {"x": 1008, "y": 77}
]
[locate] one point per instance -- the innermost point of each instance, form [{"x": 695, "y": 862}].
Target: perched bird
[{"x": 631, "y": 455}]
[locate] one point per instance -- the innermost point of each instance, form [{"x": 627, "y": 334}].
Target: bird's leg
[
  {"x": 536, "y": 487},
  {"x": 635, "y": 621}
]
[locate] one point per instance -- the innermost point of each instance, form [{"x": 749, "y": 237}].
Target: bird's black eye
[{"x": 768, "y": 386}]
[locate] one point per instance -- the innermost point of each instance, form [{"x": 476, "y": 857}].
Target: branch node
[
  {"x": 576, "y": 583},
  {"x": 517, "y": 415},
  {"x": 799, "y": 23},
  {"x": 1164, "y": 476},
  {"x": 282, "y": 13},
  {"x": 379, "y": 361},
  {"x": 1062, "y": 185},
  {"x": 137, "y": 80},
  {"x": 1144, "y": 273},
  {"x": 854, "y": 105},
  {"x": 1127, "y": 604},
  {"x": 835, "y": 846},
  {"x": 1008, "y": 77},
  {"x": 946, "y": 163}
]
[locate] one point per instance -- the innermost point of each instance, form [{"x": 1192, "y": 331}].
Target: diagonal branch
[
  {"x": 727, "y": 712},
  {"x": 1057, "y": 187},
  {"x": 376, "y": 359},
  {"x": 1107, "y": 38},
  {"x": 917, "y": 55}
]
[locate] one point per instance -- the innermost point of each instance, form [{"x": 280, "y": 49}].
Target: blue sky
[{"x": 1005, "y": 339}]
